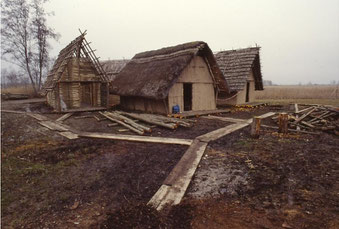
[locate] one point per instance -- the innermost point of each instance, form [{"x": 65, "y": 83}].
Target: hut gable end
[
  {"x": 236, "y": 65},
  {"x": 76, "y": 79},
  {"x": 76, "y": 59}
]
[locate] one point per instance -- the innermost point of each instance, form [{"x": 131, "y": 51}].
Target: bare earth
[{"x": 275, "y": 181}]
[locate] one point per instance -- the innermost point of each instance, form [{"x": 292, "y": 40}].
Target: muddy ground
[{"x": 276, "y": 181}]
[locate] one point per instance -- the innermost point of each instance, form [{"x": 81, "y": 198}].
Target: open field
[
  {"x": 276, "y": 181},
  {"x": 27, "y": 90},
  {"x": 326, "y": 95}
]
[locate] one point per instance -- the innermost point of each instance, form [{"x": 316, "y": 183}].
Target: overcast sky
[{"x": 299, "y": 38}]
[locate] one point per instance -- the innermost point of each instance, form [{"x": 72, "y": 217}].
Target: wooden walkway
[
  {"x": 136, "y": 138},
  {"x": 187, "y": 114},
  {"x": 175, "y": 185}
]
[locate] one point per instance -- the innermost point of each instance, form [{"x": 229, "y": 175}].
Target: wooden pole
[
  {"x": 255, "y": 127},
  {"x": 283, "y": 123},
  {"x": 123, "y": 124}
]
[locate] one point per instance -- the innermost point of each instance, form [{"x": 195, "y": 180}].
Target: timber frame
[{"x": 77, "y": 79}]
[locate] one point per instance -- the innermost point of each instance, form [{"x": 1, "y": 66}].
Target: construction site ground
[{"x": 275, "y": 181}]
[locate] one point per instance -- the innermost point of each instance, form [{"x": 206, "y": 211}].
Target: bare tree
[
  {"x": 24, "y": 37},
  {"x": 41, "y": 33}
]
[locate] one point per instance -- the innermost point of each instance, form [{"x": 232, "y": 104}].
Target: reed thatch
[
  {"x": 113, "y": 67},
  {"x": 236, "y": 66},
  {"x": 151, "y": 74}
]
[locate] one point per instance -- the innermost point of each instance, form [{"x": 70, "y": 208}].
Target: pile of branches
[
  {"x": 314, "y": 118},
  {"x": 131, "y": 121}
]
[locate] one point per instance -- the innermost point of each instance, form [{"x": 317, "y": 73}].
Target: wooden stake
[
  {"x": 283, "y": 123},
  {"x": 255, "y": 127}
]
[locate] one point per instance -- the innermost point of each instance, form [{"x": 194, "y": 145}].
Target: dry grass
[
  {"x": 27, "y": 90},
  {"x": 298, "y": 92}
]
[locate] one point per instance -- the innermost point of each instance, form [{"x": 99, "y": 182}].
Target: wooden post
[
  {"x": 255, "y": 127},
  {"x": 296, "y": 111},
  {"x": 283, "y": 123}
]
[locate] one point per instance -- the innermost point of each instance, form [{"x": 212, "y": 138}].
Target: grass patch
[
  {"x": 298, "y": 92},
  {"x": 334, "y": 102},
  {"x": 26, "y": 89}
]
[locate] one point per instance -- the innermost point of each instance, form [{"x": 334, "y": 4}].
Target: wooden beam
[
  {"x": 136, "y": 138},
  {"x": 38, "y": 117},
  {"x": 144, "y": 118},
  {"x": 188, "y": 114},
  {"x": 53, "y": 126},
  {"x": 141, "y": 132},
  {"x": 226, "y": 119},
  {"x": 174, "y": 187},
  {"x": 211, "y": 136},
  {"x": 64, "y": 117},
  {"x": 69, "y": 135},
  {"x": 14, "y": 112},
  {"x": 292, "y": 130},
  {"x": 304, "y": 116}
]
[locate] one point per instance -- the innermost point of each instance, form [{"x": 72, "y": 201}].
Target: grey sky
[{"x": 299, "y": 38}]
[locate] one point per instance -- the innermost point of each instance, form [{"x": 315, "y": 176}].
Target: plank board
[
  {"x": 214, "y": 135},
  {"x": 53, "y": 126},
  {"x": 226, "y": 119},
  {"x": 64, "y": 117},
  {"x": 69, "y": 135},
  {"x": 174, "y": 187},
  {"x": 84, "y": 109},
  {"x": 14, "y": 112},
  {"x": 187, "y": 114},
  {"x": 211, "y": 136},
  {"x": 38, "y": 117},
  {"x": 136, "y": 138}
]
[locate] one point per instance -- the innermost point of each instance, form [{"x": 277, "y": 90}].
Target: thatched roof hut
[
  {"x": 113, "y": 67},
  {"x": 242, "y": 71},
  {"x": 153, "y": 74}
]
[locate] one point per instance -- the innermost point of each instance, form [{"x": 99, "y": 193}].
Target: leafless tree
[
  {"x": 25, "y": 37},
  {"x": 41, "y": 33}
]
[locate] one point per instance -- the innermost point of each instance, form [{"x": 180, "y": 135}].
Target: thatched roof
[
  {"x": 151, "y": 74},
  {"x": 236, "y": 66},
  {"x": 78, "y": 48},
  {"x": 113, "y": 67}
]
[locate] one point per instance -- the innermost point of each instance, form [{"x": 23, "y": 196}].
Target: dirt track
[{"x": 271, "y": 182}]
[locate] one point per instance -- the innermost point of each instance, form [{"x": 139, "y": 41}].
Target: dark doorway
[
  {"x": 187, "y": 96},
  {"x": 247, "y": 92},
  {"x": 86, "y": 94}
]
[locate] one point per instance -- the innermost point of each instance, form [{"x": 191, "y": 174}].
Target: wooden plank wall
[
  {"x": 76, "y": 72},
  {"x": 143, "y": 104}
]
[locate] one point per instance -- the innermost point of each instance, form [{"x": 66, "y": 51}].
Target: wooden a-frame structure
[{"x": 77, "y": 80}]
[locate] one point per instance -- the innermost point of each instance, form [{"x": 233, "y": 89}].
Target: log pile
[
  {"x": 129, "y": 121},
  {"x": 313, "y": 118}
]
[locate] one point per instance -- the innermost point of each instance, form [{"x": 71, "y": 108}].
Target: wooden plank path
[
  {"x": 64, "y": 117},
  {"x": 187, "y": 114},
  {"x": 175, "y": 185},
  {"x": 136, "y": 138},
  {"x": 226, "y": 119}
]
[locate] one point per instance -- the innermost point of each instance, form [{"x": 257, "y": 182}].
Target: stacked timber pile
[
  {"x": 129, "y": 120},
  {"x": 313, "y": 118}
]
